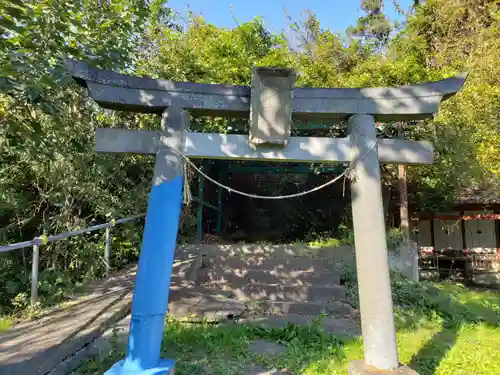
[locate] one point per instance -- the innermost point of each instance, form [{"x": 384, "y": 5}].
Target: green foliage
[
  {"x": 373, "y": 29},
  {"x": 394, "y": 238},
  {"x": 445, "y": 37},
  {"x": 324, "y": 241},
  {"x": 445, "y": 303},
  {"x": 207, "y": 54},
  {"x": 345, "y": 236},
  {"x": 5, "y": 323},
  {"x": 430, "y": 347},
  {"x": 51, "y": 180}
]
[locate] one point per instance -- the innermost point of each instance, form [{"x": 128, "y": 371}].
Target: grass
[
  {"x": 443, "y": 329},
  {"x": 325, "y": 242},
  {"x": 346, "y": 237},
  {"x": 5, "y": 323}
]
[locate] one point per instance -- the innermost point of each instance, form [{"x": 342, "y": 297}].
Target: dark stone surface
[
  {"x": 333, "y": 309},
  {"x": 239, "y": 278},
  {"x": 139, "y": 94},
  {"x": 84, "y": 73},
  {"x": 359, "y": 368},
  {"x": 37, "y": 347},
  {"x": 337, "y": 326},
  {"x": 284, "y": 293},
  {"x": 277, "y": 264}
]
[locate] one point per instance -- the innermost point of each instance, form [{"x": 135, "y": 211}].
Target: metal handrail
[{"x": 43, "y": 240}]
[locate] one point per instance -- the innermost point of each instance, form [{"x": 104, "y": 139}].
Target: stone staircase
[{"x": 271, "y": 280}]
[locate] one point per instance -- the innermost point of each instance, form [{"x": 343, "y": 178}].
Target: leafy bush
[
  {"x": 394, "y": 238},
  {"x": 325, "y": 241},
  {"x": 450, "y": 303},
  {"x": 346, "y": 235}
]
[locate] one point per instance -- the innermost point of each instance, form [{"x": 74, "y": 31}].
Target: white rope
[
  {"x": 276, "y": 197},
  {"x": 187, "y": 197}
]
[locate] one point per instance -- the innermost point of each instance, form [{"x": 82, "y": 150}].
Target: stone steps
[
  {"x": 238, "y": 278},
  {"x": 284, "y": 264},
  {"x": 338, "y": 253},
  {"x": 262, "y": 280},
  {"x": 292, "y": 293},
  {"x": 332, "y": 309},
  {"x": 208, "y": 305},
  {"x": 339, "y": 326}
]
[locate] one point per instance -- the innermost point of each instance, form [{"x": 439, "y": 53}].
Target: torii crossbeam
[{"x": 270, "y": 103}]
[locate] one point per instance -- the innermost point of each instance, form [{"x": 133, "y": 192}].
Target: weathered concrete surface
[
  {"x": 338, "y": 326},
  {"x": 359, "y": 368},
  {"x": 288, "y": 264},
  {"x": 332, "y": 309},
  {"x": 268, "y": 250},
  {"x": 117, "y": 91},
  {"x": 271, "y": 264},
  {"x": 405, "y": 260},
  {"x": 185, "y": 302},
  {"x": 292, "y": 293},
  {"x": 238, "y": 278},
  {"x": 169, "y": 163},
  {"x": 203, "y": 304},
  {"x": 115, "y": 335},
  {"x": 375, "y": 298},
  {"x": 235, "y": 146},
  {"x": 273, "y": 279},
  {"x": 36, "y": 347},
  {"x": 61, "y": 339},
  {"x": 271, "y": 106}
]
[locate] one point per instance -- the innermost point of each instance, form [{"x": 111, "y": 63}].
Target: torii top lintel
[{"x": 128, "y": 93}]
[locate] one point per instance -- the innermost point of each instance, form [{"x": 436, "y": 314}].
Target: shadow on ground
[{"x": 450, "y": 306}]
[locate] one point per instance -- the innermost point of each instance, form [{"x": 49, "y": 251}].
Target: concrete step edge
[
  {"x": 296, "y": 278},
  {"x": 263, "y": 270},
  {"x": 264, "y": 249},
  {"x": 338, "y": 326},
  {"x": 325, "y": 286}
]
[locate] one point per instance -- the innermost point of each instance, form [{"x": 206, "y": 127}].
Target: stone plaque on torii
[{"x": 271, "y": 104}]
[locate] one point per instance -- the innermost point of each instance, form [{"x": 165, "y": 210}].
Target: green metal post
[
  {"x": 218, "y": 227},
  {"x": 199, "y": 216}
]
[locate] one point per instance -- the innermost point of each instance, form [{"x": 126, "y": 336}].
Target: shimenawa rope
[{"x": 346, "y": 174}]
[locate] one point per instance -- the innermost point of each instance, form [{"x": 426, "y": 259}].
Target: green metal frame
[
  {"x": 218, "y": 225},
  {"x": 199, "y": 213},
  {"x": 301, "y": 169},
  {"x": 225, "y": 168},
  {"x": 206, "y": 204},
  {"x": 206, "y": 166}
]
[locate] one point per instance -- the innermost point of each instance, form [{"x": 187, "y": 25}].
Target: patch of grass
[
  {"x": 204, "y": 349},
  {"x": 201, "y": 349},
  {"x": 5, "y": 323},
  {"x": 325, "y": 242},
  {"x": 443, "y": 329},
  {"x": 345, "y": 236}
]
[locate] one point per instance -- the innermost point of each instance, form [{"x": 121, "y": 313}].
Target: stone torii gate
[{"x": 270, "y": 103}]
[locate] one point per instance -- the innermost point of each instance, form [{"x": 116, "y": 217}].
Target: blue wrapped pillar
[{"x": 150, "y": 299}]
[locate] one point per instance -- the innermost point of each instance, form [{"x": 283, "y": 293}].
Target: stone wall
[{"x": 405, "y": 260}]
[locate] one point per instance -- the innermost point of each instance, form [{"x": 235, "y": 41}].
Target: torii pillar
[
  {"x": 272, "y": 102},
  {"x": 374, "y": 285}
]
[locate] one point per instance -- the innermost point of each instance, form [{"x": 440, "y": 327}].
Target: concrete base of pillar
[
  {"x": 359, "y": 368},
  {"x": 165, "y": 367}
]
